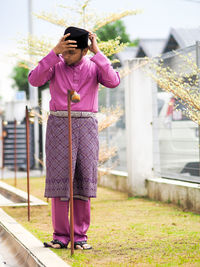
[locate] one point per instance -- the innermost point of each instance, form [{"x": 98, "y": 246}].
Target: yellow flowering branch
[
  {"x": 111, "y": 47},
  {"x": 52, "y": 18},
  {"x": 113, "y": 17},
  {"x": 111, "y": 116}
]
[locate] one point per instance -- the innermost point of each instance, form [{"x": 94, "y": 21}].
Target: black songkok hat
[{"x": 79, "y": 35}]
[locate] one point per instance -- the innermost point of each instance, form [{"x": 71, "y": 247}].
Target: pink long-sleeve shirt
[{"x": 83, "y": 77}]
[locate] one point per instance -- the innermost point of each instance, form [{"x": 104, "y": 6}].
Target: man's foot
[
  {"x": 55, "y": 244},
  {"x": 82, "y": 245}
]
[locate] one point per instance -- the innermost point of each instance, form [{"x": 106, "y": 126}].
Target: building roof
[
  {"x": 127, "y": 53},
  {"x": 177, "y": 38},
  {"x": 183, "y": 37},
  {"x": 150, "y": 47}
]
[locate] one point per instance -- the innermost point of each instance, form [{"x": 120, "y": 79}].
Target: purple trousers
[{"x": 60, "y": 220}]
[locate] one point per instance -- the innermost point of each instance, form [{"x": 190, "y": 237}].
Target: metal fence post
[
  {"x": 198, "y": 65},
  {"x": 2, "y": 167},
  {"x": 15, "y": 152},
  {"x": 28, "y": 159}
]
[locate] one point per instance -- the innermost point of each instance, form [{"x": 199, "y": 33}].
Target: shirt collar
[{"x": 80, "y": 62}]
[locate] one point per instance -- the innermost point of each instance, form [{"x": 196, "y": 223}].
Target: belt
[{"x": 74, "y": 114}]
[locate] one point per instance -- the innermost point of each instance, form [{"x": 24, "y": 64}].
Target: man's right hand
[{"x": 63, "y": 45}]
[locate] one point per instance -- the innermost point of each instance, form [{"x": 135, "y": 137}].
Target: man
[{"x": 68, "y": 68}]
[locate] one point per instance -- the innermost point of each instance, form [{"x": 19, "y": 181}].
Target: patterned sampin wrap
[{"x": 85, "y": 151}]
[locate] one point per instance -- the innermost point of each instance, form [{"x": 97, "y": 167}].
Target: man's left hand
[{"x": 94, "y": 46}]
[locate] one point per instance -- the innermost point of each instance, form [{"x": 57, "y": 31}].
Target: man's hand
[
  {"x": 94, "y": 46},
  {"x": 63, "y": 45}
]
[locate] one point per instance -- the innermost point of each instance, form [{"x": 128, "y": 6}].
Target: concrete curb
[
  {"x": 27, "y": 250},
  {"x": 17, "y": 196},
  {"x": 181, "y": 193}
]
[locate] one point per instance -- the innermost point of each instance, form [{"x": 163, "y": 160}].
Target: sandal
[
  {"x": 54, "y": 242},
  {"x": 82, "y": 245}
]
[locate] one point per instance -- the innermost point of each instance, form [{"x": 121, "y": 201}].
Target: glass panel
[
  {"x": 178, "y": 136},
  {"x": 115, "y": 135}
]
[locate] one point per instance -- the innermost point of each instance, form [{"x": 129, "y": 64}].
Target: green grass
[{"x": 124, "y": 231}]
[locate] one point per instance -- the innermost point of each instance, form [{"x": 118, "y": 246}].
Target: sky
[{"x": 155, "y": 21}]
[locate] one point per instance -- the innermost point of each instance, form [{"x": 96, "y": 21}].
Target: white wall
[
  {"x": 139, "y": 117},
  {"x": 15, "y": 110}
]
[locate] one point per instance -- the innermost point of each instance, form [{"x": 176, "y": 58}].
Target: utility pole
[{"x": 33, "y": 91}]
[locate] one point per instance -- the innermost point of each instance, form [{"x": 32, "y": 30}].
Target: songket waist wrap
[{"x": 85, "y": 151}]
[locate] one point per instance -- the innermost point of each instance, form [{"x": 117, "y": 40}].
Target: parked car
[{"x": 178, "y": 137}]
